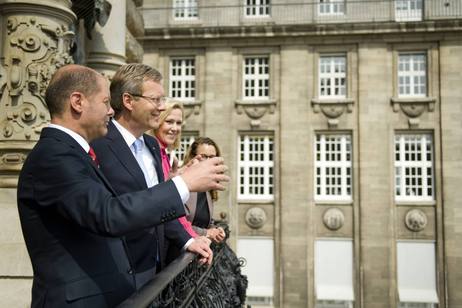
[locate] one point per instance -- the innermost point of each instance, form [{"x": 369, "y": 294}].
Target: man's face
[
  {"x": 98, "y": 111},
  {"x": 146, "y": 110}
]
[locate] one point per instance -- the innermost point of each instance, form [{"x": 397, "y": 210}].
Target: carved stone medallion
[
  {"x": 415, "y": 220},
  {"x": 333, "y": 219},
  {"x": 255, "y": 217}
]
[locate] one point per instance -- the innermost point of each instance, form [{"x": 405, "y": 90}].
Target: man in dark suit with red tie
[
  {"x": 130, "y": 160},
  {"x": 73, "y": 221}
]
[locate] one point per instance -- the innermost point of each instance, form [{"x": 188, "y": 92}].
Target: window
[
  {"x": 408, "y": 10},
  {"x": 332, "y": 77},
  {"x": 259, "y": 269},
  {"x": 334, "y": 273},
  {"x": 185, "y": 142},
  {"x": 414, "y": 167},
  {"x": 256, "y": 78},
  {"x": 255, "y": 167},
  {"x": 185, "y": 9},
  {"x": 183, "y": 79},
  {"x": 333, "y": 167},
  {"x": 257, "y": 8},
  {"x": 412, "y": 75},
  {"x": 416, "y": 274},
  {"x": 331, "y": 7}
]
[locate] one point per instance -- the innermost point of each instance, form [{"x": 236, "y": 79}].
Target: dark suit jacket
[
  {"x": 72, "y": 222},
  {"x": 123, "y": 172},
  {"x": 191, "y": 204}
]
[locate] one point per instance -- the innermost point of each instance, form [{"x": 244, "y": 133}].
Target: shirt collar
[
  {"x": 79, "y": 139},
  {"x": 128, "y": 137}
]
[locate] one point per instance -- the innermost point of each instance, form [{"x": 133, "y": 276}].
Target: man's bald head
[{"x": 66, "y": 80}]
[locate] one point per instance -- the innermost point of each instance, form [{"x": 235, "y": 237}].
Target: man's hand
[
  {"x": 216, "y": 234},
  {"x": 205, "y": 175},
  {"x": 200, "y": 246}
]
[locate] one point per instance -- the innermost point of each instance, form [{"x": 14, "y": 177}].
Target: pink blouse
[{"x": 166, "y": 169}]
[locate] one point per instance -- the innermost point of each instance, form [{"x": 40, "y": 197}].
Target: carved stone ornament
[
  {"x": 333, "y": 219},
  {"x": 255, "y": 109},
  {"x": 413, "y": 107},
  {"x": 255, "y": 217},
  {"x": 191, "y": 108},
  {"x": 35, "y": 46},
  {"x": 332, "y": 109},
  {"x": 415, "y": 220}
]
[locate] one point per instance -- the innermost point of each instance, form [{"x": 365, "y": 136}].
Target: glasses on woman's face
[{"x": 205, "y": 156}]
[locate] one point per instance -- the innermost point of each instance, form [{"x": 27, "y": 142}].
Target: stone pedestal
[{"x": 106, "y": 49}]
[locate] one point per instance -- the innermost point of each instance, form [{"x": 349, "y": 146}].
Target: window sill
[
  {"x": 255, "y": 108},
  {"x": 332, "y": 108},
  {"x": 415, "y": 203},
  {"x": 333, "y": 202},
  {"x": 413, "y": 106}
]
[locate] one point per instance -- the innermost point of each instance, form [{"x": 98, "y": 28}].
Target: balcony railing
[
  {"x": 322, "y": 11},
  {"x": 185, "y": 283}
]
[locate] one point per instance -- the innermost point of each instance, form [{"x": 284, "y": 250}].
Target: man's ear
[
  {"x": 127, "y": 101},
  {"x": 76, "y": 99}
]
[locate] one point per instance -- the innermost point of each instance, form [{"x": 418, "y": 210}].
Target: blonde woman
[{"x": 169, "y": 135}]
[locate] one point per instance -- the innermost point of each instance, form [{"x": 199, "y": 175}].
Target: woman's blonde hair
[{"x": 169, "y": 107}]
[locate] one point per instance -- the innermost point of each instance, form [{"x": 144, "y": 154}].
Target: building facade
[
  {"x": 36, "y": 38},
  {"x": 340, "y": 122}
]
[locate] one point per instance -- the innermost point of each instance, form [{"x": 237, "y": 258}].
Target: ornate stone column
[
  {"x": 106, "y": 48},
  {"x": 35, "y": 41}
]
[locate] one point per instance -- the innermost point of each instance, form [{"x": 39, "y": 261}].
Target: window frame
[
  {"x": 344, "y": 164},
  {"x": 261, "y": 9},
  {"x": 265, "y": 180},
  {"x": 332, "y": 6},
  {"x": 411, "y": 74},
  {"x": 402, "y": 164},
  {"x": 256, "y": 78},
  {"x": 333, "y": 76},
  {"x": 189, "y": 8},
  {"x": 404, "y": 11},
  {"x": 187, "y": 137},
  {"x": 183, "y": 79}
]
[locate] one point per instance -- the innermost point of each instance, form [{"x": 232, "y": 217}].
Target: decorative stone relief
[
  {"x": 333, "y": 219},
  {"x": 33, "y": 49},
  {"x": 413, "y": 107},
  {"x": 332, "y": 109},
  {"x": 255, "y": 217},
  {"x": 415, "y": 220},
  {"x": 255, "y": 110},
  {"x": 191, "y": 108}
]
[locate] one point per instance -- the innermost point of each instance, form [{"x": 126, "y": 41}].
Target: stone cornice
[{"x": 314, "y": 29}]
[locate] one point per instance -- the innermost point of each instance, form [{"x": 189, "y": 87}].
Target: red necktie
[{"x": 92, "y": 154}]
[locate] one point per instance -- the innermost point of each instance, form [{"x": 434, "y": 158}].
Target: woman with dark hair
[{"x": 200, "y": 205}]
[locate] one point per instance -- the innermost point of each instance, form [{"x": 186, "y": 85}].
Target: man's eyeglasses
[{"x": 153, "y": 100}]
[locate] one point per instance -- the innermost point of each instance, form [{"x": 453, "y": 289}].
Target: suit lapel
[
  {"x": 191, "y": 204},
  {"x": 65, "y": 138},
  {"x": 154, "y": 148},
  {"x": 210, "y": 205},
  {"x": 125, "y": 156}
]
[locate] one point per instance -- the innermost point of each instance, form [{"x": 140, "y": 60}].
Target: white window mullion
[
  {"x": 332, "y": 76},
  {"x": 257, "y": 159},
  {"x": 182, "y": 79},
  {"x": 331, "y": 168},
  {"x": 414, "y": 186}
]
